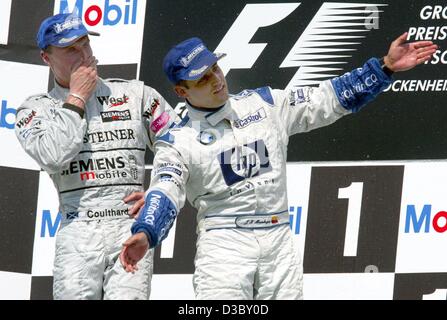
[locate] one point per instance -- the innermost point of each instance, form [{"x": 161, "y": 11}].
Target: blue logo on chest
[{"x": 241, "y": 162}]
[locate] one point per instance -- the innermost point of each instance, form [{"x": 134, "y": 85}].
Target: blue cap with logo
[
  {"x": 61, "y": 30},
  {"x": 189, "y": 60}
]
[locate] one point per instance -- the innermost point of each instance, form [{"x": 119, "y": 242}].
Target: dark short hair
[{"x": 183, "y": 83}]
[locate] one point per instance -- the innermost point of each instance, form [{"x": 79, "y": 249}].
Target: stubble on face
[{"x": 210, "y": 91}]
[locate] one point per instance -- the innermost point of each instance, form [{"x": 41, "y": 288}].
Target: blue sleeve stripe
[
  {"x": 355, "y": 89},
  {"x": 156, "y": 218}
]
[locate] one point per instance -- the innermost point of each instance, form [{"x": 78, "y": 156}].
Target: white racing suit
[
  {"x": 231, "y": 165},
  {"x": 95, "y": 161}
]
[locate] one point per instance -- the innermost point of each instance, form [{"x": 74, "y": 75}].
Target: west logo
[
  {"x": 26, "y": 120},
  {"x": 154, "y": 105},
  {"x": 111, "y": 101}
]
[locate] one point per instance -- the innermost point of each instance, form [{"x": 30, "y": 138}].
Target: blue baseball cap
[
  {"x": 189, "y": 60},
  {"x": 61, "y": 30}
]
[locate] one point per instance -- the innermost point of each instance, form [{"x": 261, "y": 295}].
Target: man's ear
[
  {"x": 45, "y": 57},
  {"x": 180, "y": 91}
]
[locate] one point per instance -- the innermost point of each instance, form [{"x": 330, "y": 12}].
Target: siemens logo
[
  {"x": 123, "y": 11},
  {"x": 5, "y": 121},
  {"x": 420, "y": 222}
]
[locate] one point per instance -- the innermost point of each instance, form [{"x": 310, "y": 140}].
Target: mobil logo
[
  {"x": 50, "y": 223},
  {"x": 7, "y": 115},
  {"x": 295, "y": 218},
  {"x": 106, "y": 12},
  {"x": 423, "y": 219}
]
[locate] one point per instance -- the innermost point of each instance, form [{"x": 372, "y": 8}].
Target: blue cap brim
[
  {"x": 75, "y": 38},
  {"x": 198, "y": 69}
]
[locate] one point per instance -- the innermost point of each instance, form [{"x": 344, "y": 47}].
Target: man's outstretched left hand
[{"x": 404, "y": 55}]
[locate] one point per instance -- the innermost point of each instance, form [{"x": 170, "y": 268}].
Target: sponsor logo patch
[
  {"x": 259, "y": 115},
  {"x": 206, "y": 138},
  {"x": 110, "y": 116},
  {"x": 112, "y": 101},
  {"x": 296, "y": 97},
  {"x": 160, "y": 122},
  {"x": 26, "y": 120}
]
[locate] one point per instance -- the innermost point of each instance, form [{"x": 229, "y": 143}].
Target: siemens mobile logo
[
  {"x": 107, "y": 13},
  {"x": 7, "y": 115},
  {"x": 424, "y": 220}
]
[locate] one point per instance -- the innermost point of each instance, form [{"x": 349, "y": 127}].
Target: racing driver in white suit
[
  {"x": 229, "y": 160},
  {"x": 90, "y": 135}
]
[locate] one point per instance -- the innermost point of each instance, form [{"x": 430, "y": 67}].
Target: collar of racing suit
[{"x": 214, "y": 116}]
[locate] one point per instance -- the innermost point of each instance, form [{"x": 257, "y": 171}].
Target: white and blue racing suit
[{"x": 230, "y": 164}]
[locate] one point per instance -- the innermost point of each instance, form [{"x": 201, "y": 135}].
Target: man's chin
[{"x": 222, "y": 96}]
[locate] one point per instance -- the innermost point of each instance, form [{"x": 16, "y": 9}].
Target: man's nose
[
  {"x": 85, "y": 53},
  {"x": 215, "y": 80}
]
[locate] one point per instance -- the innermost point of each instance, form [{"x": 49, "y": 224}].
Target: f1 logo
[
  {"x": 315, "y": 52},
  {"x": 240, "y": 53}
]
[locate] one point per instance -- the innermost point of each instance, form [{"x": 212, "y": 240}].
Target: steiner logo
[{"x": 124, "y": 12}]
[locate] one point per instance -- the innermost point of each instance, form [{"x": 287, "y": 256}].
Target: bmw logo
[{"x": 206, "y": 138}]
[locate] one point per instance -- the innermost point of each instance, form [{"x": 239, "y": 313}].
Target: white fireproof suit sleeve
[
  {"x": 158, "y": 115},
  {"x": 304, "y": 109},
  {"x": 170, "y": 173},
  {"x": 308, "y": 108},
  {"x": 165, "y": 196},
  {"x": 51, "y": 135}
]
